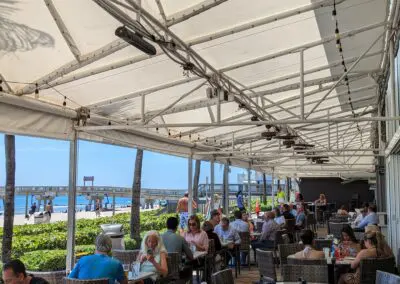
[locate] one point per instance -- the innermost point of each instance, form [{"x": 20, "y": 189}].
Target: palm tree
[
  {"x": 264, "y": 195},
  {"x": 9, "y": 143},
  {"x": 196, "y": 181},
  {"x": 136, "y": 187}
]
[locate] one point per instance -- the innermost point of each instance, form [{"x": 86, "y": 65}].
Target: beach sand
[{"x": 55, "y": 217}]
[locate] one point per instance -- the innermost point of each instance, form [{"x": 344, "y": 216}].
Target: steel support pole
[
  {"x": 113, "y": 204},
  {"x": 302, "y": 84},
  {"x": 143, "y": 108},
  {"x": 218, "y": 109},
  {"x": 26, "y": 203},
  {"x": 226, "y": 189},
  {"x": 73, "y": 164},
  {"x": 212, "y": 182},
  {"x": 392, "y": 86},
  {"x": 249, "y": 188},
  {"x": 190, "y": 187},
  {"x": 329, "y": 132},
  {"x": 272, "y": 190},
  {"x": 380, "y": 146}
]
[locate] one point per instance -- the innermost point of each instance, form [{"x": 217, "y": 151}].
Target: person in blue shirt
[
  {"x": 370, "y": 219},
  {"x": 100, "y": 265},
  {"x": 239, "y": 200}
]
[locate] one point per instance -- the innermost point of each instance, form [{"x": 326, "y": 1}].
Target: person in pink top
[{"x": 195, "y": 236}]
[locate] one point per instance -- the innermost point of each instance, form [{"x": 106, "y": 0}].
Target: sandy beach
[{"x": 55, "y": 217}]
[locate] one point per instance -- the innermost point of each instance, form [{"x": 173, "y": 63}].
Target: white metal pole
[
  {"x": 392, "y": 84},
  {"x": 73, "y": 164},
  {"x": 329, "y": 132},
  {"x": 272, "y": 190},
  {"x": 302, "y": 83},
  {"x": 113, "y": 203},
  {"x": 212, "y": 181},
  {"x": 218, "y": 109},
  {"x": 190, "y": 187},
  {"x": 142, "y": 108},
  {"x": 380, "y": 130},
  {"x": 249, "y": 188}
]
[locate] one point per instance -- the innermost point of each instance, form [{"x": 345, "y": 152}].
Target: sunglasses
[{"x": 193, "y": 224}]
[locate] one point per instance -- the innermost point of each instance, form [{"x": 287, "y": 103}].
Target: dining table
[{"x": 139, "y": 277}]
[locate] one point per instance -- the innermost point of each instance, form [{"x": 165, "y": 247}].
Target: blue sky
[{"x": 45, "y": 162}]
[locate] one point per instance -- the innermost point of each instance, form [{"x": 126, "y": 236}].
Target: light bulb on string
[
  {"x": 334, "y": 14},
  {"x": 337, "y": 35},
  {"x": 36, "y": 91},
  {"x": 65, "y": 101}
]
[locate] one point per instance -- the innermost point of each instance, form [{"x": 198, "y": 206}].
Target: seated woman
[
  {"x": 195, "y": 236},
  {"x": 321, "y": 201},
  {"x": 245, "y": 217},
  {"x": 153, "y": 256},
  {"x": 307, "y": 237},
  {"x": 376, "y": 247},
  {"x": 349, "y": 246},
  {"x": 209, "y": 229},
  {"x": 342, "y": 211}
]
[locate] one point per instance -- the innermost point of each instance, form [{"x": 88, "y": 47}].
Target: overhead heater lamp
[{"x": 136, "y": 40}]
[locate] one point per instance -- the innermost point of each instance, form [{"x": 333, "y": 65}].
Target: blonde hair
[
  {"x": 323, "y": 196},
  {"x": 378, "y": 240},
  {"x": 160, "y": 245}
]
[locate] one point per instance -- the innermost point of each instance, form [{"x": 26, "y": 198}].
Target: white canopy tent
[
  {"x": 278, "y": 61},
  {"x": 226, "y": 75}
]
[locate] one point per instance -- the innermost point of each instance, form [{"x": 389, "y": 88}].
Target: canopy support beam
[
  {"x": 71, "y": 223},
  {"x": 190, "y": 187}
]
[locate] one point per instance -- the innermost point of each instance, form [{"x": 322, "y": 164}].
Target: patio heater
[{"x": 116, "y": 233}]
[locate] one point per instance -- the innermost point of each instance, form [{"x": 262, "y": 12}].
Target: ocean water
[{"x": 60, "y": 203}]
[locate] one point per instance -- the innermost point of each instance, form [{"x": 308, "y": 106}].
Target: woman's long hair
[
  {"x": 160, "y": 245},
  {"x": 378, "y": 240},
  {"x": 196, "y": 219},
  {"x": 349, "y": 231}
]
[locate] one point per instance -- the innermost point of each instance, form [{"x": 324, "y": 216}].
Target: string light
[
  {"x": 1, "y": 87},
  {"x": 169, "y": 132},
  {"x": 339, "y": 46},
  {"x": 65, "y": 101},
  {"x": 190, "y": 136},
  {"x": 109, "y": 122},
  {"x": 180, "y": 135},
  {"x": 36, "y": 90}
]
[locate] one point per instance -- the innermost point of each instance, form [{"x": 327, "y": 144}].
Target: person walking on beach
[
  {"x": 33, "y": 208},
  {"x": 182, "y": 209}
]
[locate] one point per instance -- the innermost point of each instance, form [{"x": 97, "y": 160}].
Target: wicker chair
[
  {"x": 386, "y": 278},
  {"x": 319, "y": 244},
  {"x": 53, "y": 277},
  {"x": 288, "y": 249},
  {"x": 280, "y": 238},
  {"x": 311, "y": 223},
  {"x": 173, "y": 262},
  {"x": 245, "y": 245},
  {"x": 369, "y": 266},
  {"x": 266, "y": 264},
  {"x": 290, "y": 226},
  {"x": 305, "y": 261},
  {"x": 359, "y": 235},
  {"x": 222, "y": 277},
  {"x": 125, "y": 256},
  {"x": 336, "y": 228},
  {"x": 91, "y": 281},
  {"x": 310, "y": 273}
]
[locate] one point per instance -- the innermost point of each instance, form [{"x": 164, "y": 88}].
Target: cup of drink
[
  {"x": 326, "y": 252},
  {"x": 135, "y": 269},
  {"x": 126, "y": 269}
]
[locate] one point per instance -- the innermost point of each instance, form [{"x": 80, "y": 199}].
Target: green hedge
[{"x": 42, "y": 247}]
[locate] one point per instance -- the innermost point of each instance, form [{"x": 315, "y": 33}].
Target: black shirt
[
  {"x": 288, "y": 215},
  {"x": 37, "y": 280},
  {"x": 213, "y": 236}
]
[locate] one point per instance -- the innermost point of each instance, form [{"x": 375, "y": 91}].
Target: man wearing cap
[
  {"x": 182, "y": 209},
  {"x": 100, "y": 265}
]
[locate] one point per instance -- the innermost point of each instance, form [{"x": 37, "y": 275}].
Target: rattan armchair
[
  {"x": 310, "y": 273},
  {"x": 288, "y": 249},
  {"x": 245, "y": 245},
  {"x": 266, "y": 264},
  {"x": 53, "y": 277},
  {"x": 369, "y": 266},
  {"x": 125, "y": 256},
  {"x": 222, "y": 277},
  {"x": 306, "y": 261}
]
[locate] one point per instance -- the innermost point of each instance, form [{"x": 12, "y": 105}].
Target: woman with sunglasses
[
  {"x": 376, "y": 247},
  {"x": 196, "y": 237}
]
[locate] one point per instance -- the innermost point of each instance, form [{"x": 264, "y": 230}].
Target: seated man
[
  {"x": 100, "y": 265},
  {"x": 307, "y": 237},
  {"x": 14, "y": 272},
  {"x": 370, "y": 219},
  {"x": 174, "y": 242},
  {"x": 269, "y": 229},
  {"x": 227, "y": 234},
  {"x": 215, "y": 217},
  {"x": 239, "y": 225},
  {"x": 300, "y": 218}
]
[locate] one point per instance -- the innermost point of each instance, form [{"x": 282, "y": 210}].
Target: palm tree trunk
[
  {"x": 196, "y": 181},
  {"x": 136, "y": 187},
  {"x": 9, "y": 143},
  {"x": 264, "y": 195}
]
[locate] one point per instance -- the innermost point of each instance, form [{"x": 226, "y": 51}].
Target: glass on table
[
  {"x": 126, "y": 269},
  {"x": 135, "y": 268}
]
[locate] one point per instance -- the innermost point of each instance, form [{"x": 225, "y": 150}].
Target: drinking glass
[
  {"x": 126, "y": 269},
  {"x": 135, "y": 269},
  {"x": 326, "y": 252}
]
